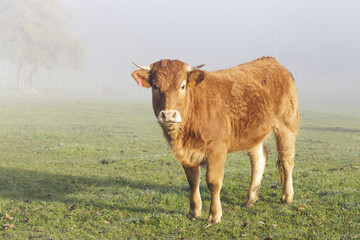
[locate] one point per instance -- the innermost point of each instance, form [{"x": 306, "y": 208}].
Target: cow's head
[{"x": 171, "y": 81}]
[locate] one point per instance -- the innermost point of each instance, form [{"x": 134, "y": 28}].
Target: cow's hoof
[
  {"x": 214, "y": 218},
  {"x": 195, "y": 214},
  {"x": 286, "y": 199},
  {"x": 249, "y": 203}
]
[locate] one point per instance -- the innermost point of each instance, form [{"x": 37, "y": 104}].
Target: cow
[{"x": 206, "y": 114}]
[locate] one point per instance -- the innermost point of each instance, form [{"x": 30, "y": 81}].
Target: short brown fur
[{"x": 226, "y": 111}]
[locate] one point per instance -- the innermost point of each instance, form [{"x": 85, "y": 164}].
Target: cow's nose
[{"x": 169, "y": 116}]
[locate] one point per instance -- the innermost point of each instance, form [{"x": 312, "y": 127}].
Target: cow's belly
[{"x": 247, "y": 138}]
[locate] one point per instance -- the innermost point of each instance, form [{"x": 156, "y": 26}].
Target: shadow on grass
[
  {"x": 30, "y": 185},
  {"x": 331, "y": 129}
]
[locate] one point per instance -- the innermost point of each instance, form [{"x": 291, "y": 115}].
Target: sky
[{"x": 317, "y": 40}]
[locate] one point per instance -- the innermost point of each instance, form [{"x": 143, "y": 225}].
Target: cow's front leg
[
  {"x": 193, "y": 177},
  {"x": 214, "y": 179}
]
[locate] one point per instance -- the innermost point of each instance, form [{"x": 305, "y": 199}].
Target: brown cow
[{"x": 205, "y": 115}]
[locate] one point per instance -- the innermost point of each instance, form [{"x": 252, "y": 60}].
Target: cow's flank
[{"x": 205, "y": 115}]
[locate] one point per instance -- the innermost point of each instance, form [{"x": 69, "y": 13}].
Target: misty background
[{"x": 318, "y": 41}]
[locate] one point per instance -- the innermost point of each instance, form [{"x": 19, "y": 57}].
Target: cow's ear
[
  {"x": 195, "y": 77},
  {"x": 142, "y": 77}
]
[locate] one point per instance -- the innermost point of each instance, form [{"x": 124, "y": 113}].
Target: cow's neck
[
  {"x": 171, "y": 133},
  {"x": 186, "y": 145}
]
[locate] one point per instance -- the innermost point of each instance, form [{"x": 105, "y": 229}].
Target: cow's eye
[{"x": 183, "y": 86}]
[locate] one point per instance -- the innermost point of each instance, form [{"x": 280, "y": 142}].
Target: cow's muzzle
[{"x": 169, "y": 117}]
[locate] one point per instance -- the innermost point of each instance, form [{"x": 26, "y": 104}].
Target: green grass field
[{"x": 101, "y": 169}]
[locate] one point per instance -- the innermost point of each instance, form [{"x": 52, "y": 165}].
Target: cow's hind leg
[
  {"x": 258, "y": 157},
  {"x": 285, "y": 141},
  {"x": 193, "y": 177}
]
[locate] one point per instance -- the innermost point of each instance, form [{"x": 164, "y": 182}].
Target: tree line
[{"x": 36, "y": 33}]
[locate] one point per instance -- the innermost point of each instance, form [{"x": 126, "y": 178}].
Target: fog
[{"x": 318, "y": 41}]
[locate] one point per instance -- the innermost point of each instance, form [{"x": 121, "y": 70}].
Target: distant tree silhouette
[{"x": 36, "y": 33}]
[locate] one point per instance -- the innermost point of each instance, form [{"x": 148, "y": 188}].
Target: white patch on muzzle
[{"x": 169, "y": 117}]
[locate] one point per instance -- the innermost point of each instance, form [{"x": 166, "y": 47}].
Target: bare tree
[{"x": 36, "y": 33}]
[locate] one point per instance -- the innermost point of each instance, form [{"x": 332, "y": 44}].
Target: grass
[{"x": 101, "y": 169}]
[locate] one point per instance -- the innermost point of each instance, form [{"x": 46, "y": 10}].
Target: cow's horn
[
  {"x": 191, "y": 68},
  {"x": 147, "y": 68}
]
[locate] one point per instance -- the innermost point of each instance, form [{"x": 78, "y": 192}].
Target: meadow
[{"x": 81, "y": 168}]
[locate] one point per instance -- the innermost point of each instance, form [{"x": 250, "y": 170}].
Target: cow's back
[{"x": 245, "y": 103}]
